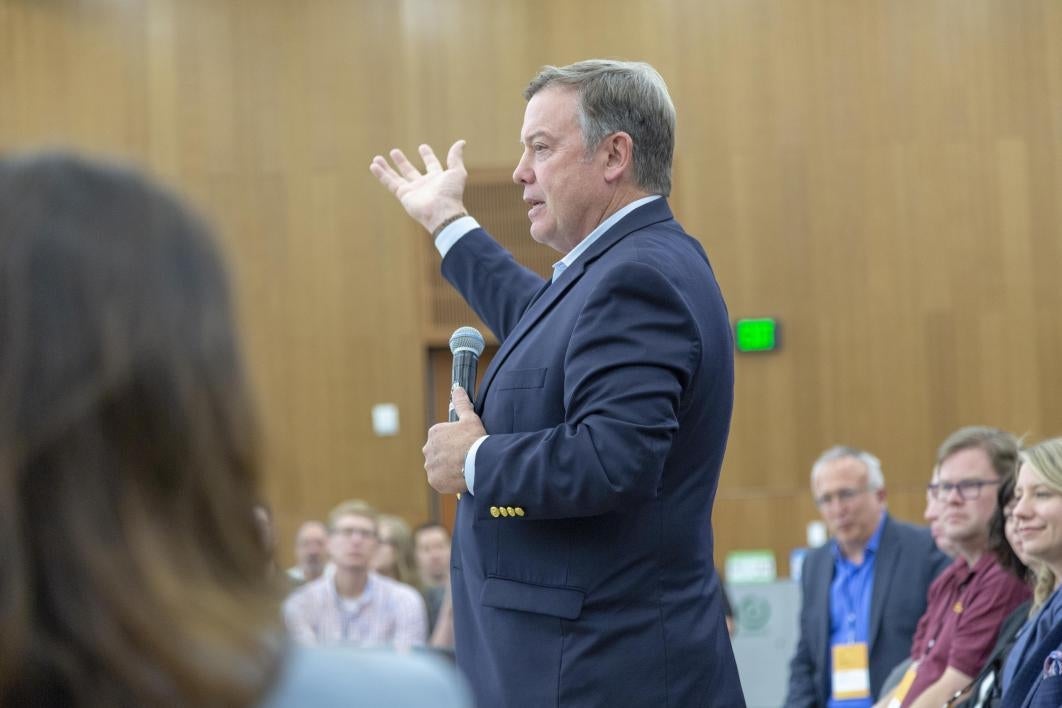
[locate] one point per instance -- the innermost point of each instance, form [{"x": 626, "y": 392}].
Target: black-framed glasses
[
  {"x": 969, "y": 489},
  {"x": 841, "y": 495}
]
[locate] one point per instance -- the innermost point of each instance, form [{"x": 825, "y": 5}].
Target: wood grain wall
[{"x": 881, "y": 175}]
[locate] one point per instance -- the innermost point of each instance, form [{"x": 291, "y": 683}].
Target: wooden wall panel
[{"x": 883, "y": 176}]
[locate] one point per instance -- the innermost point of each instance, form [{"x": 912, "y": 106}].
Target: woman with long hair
[
  {"x": 132, "y": 571},
  {"x": 1038, "y": 514}
]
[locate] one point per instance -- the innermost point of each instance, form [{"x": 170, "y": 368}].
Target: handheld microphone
[{"x": 466, "y": 344}]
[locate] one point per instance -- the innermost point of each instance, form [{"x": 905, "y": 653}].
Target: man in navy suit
[
  {"x": 582, "y": 567},
  {"x": 863, "y": 593}
]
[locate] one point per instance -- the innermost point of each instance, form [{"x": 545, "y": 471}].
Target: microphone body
[{"x": 466, "y": 344}]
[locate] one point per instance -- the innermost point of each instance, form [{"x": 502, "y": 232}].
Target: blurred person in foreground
[{"x": 131, "y": 565}]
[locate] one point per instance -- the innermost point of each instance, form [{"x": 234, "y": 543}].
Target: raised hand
[{"x": 430, "y": 197}]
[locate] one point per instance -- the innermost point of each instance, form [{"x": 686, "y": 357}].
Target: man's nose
[{"x": 523, "y": 174}]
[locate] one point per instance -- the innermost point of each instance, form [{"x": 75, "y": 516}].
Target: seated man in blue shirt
[{"x": 862, "y": 593}]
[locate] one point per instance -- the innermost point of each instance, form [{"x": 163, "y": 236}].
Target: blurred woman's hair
[
  {"x": 131, "y": 569},
  {"x": 1046, "y": 458},
  {"x": 401, "y": 564}
]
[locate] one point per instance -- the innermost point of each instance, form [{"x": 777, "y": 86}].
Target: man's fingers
[
  {"x": 405, "y": 168},
  {"x": 456, "y": 157},
  {"x": 431, "y": 163},
  {"x": 461, "y": 403},
  {"x": 385, "y": 173}
]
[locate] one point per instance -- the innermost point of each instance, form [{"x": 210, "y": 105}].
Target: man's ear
[{"x": 619, "y": 155}]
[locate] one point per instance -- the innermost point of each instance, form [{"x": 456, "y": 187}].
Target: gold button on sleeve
[
  {"x": 503, "y": 511},
  {"x": 494, "y": 512},
  {"x": 512, "y": 511},
  {"x": 519, "y": 511}
]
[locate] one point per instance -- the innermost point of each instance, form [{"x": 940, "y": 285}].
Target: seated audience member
[
  {"x": 394, "y": 550},
  {"x": 863, "y": 592},
  {"x": 1006, "y": 544},
  {"x": 431, "y": 548},
  {"x": 932, "y": 517},
  {"x": 130, "y": 559},
  {"x": 311, "y": 552},
  {"x": 1031, "y": 673},
  {"x": 969, "y": 601},
  {"x": 351, "y": 604},
  {"x": 442, "y": 636}
]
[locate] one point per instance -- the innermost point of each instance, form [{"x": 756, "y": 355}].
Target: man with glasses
[
  {"x": 863, "y": 592},
  {"x": 969, "y": 601},
  {"x": 350, "y": 604}
]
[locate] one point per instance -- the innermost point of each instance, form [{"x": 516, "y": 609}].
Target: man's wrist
[{"x": 446, "y": 222}]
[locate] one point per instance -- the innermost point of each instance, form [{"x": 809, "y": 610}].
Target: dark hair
[
  {"x": 997, "y": 537},
  {"x": 131, "y": 571},
  {"x": 428, "y": 525}
]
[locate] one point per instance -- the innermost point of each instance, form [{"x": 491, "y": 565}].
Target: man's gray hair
[
  {"x": 625, "y": 96},
  {"x": 875, "y": 477}
]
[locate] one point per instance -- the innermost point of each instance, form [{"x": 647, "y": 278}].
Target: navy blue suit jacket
[
  {"x": 1030, "y": 688},
  {"x": 907, "y": 563},
  {"x": 608, "y": 406}
]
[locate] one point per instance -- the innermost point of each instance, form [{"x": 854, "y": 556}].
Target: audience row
[
  {"x": 365, "y": 579},
  {"x": 965, "y": 612}
]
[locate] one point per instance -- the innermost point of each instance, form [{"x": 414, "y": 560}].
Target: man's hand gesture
[{"x": 432, "y": 197}]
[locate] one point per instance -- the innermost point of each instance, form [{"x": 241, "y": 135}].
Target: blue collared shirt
[
  {"x": 850, "y": 593},
  {"x": 453, "y": 233}
]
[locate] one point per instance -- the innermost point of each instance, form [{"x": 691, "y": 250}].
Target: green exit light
[{"x": 758, "y": 334}]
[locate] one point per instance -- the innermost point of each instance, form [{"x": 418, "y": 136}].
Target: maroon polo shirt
[{"x": 966, "y": 605}]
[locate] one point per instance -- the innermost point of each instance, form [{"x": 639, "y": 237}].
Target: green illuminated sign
[{"x": 758, "y": 334}]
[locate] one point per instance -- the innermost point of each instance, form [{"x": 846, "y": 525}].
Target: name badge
[
  {"x": 905, "y": 685},
  {"x": 851, "y": 671}
]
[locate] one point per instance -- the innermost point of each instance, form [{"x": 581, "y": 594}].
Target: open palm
[{"x": 431, "y": 196}]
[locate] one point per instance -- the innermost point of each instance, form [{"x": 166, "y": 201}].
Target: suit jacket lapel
[
  {"x": 651, "y": 213},
  {"x": 888, "y": 555},
  {"x": 824, "y": 578}
]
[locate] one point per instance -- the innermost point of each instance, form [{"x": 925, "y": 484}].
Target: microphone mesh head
[{"x": 467, "y": 339}]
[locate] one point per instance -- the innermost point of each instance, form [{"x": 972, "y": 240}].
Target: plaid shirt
[{"x": 387, "y": 613}]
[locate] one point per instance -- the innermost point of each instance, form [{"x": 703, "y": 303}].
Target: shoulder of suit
[
  {"x": 819, "y": 554},
  {"x": 907, "y": 532}
]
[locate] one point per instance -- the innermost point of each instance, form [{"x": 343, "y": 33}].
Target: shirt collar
[
  {"x": 330, "y": 583},
  {"x": 580, "y": 248},
  {"x": 967, "y": 571}
]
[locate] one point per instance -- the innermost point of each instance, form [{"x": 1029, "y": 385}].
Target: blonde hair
[{"x": 1046, "y": 458}]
